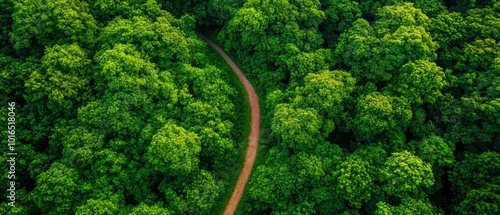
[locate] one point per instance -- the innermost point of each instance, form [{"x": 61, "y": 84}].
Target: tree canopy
[{"x": 368, "y": 107}]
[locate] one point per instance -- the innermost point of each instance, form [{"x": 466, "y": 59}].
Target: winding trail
[{"x": 253, "y": 138}]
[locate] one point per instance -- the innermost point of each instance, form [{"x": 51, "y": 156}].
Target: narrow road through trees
[{"x": 253, "y": 138}]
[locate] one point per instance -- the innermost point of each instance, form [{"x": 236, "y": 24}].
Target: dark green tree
[{"x": 50, "y": 23}]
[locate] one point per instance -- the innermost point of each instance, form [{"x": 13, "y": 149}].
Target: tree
[
  {"x": 206, "y": 13},
  {"x": 466, "y": 176},
  {"x": 374, "y": 53},
  {"x": 50, "y": 23},
  {"x": 325, "y": 91},
  {"x": 144, "y": 209},
  {"x": 479, "y": 55},
  {"x": 98, "y": 207},
  {"x": 405, "y": 174},
  {"x": 354, "y": 181},
  {"x": 63, "y": 83},
  {"x": 436, "y": 151},
  {"x": 260, "y": 31},
  {"x": 208, "y": 85},
  {"x": 420, "y": 81},
  {"x": 374, "y": 155},
  {"x": 6, "y": 10},
  {"x": 264, "y": 184},
  {"x": 174, "y": 150},
  {"x": 482, "y": 23},
  {"x": 407, "y": 206},
  {"x": 297, "y": 127},
  {"x": 162, "y": 40},
  {"x": 303, "y": 63},
  {"x": 116, "y": 116},
  {"x": 57, "y": 190},
  {"x": 481, "y": 201},
  {"x": 377, "y": 113},
  {"x": 395, "y": 47},
  {"x": 429, "y": 8},
  {"x": 201, "y": 195},
  {"x": 392, "y": 17},
  {"x": 355, "y": 46},
  {"x": 107, "y": 167},
  {"x": 448, "y": 29},
  {"x": 13, "y": 75},
  {"x": 105, "y": 11},
  {"x": 340, "y": 16},
  {"x": 296, "y": 184},
  {"x": 79, "y": 146},
  {"x": 124, "y": 69}
]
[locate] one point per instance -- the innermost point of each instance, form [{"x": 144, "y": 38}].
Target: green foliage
[
  {"x": 479, "y": 55},
  {"x": 264, "y": 30},
  {"x": 202, "y": 193},
  {"x": 53, "y": 22},
  {"x": 466, "y": 175},
  {"x": 429, "y": 8},
  {"x": 435, "y": 151},
  {"x": 207, "y": 13},
  {"x": 122, "y": 69},
  {"x": 6, "y": 10},
  {"x": 98, "y": 207},
  {"x": 340, "y": 16},
  {"x": 296, "y": 126},
  {"x": 482, "y": 23},
  {"x": 407, "y": 206},
  {"x": 405, "y": 174},
  {"x": 420, "y": 81},
  {"x": 368, "y": 107},
  {"x": 162, "y": 40},
  {"x": 57, "y": 190},
  {"x": 13, "y": 74},
  {"x": 377, "y": 113},
  {"x": 304, "y": 63},
  {"x": 375, "y": 52},
  {"x": 144, "y": 209},
  {"x": 63, "y": 82},
  {"x": 325, "y": 91},
  {"x": 448, "y": 29},
  {"x": 394, "y": 16},
  {"x": 174, "y": 150},
  {"x": 105, "y": 11},
  {"x": 354, "y": 181},
  {"x": 481, "y": 201},
  {"x": 293, "y": 185}
]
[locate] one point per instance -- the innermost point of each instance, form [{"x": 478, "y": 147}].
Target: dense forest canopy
[
  {"x": 369, "y": 107},
  {"x": 121, "y": 110}
]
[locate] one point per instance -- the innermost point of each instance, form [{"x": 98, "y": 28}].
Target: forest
[{"x": 387, "y": 107}]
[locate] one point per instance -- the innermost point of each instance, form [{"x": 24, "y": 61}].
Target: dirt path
[{"x": 253, "y": 138}]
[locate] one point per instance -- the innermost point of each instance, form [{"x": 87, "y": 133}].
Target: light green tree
[
  {"x": 405, "y": 174},
  {"x": 297, "y": 127},
  {"x": 144, "y": 209},
  {"x": 377, "y": 113},
  {"x": 174, "y": 150},
  {"x": 354, "y": 181},
  {"x": 420, "y": 81}
]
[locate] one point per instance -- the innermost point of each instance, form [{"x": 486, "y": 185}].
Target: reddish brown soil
[{"x": 253, "y": 138}]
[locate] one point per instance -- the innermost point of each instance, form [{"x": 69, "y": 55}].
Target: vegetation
[{"x": 368, "y": 107}]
